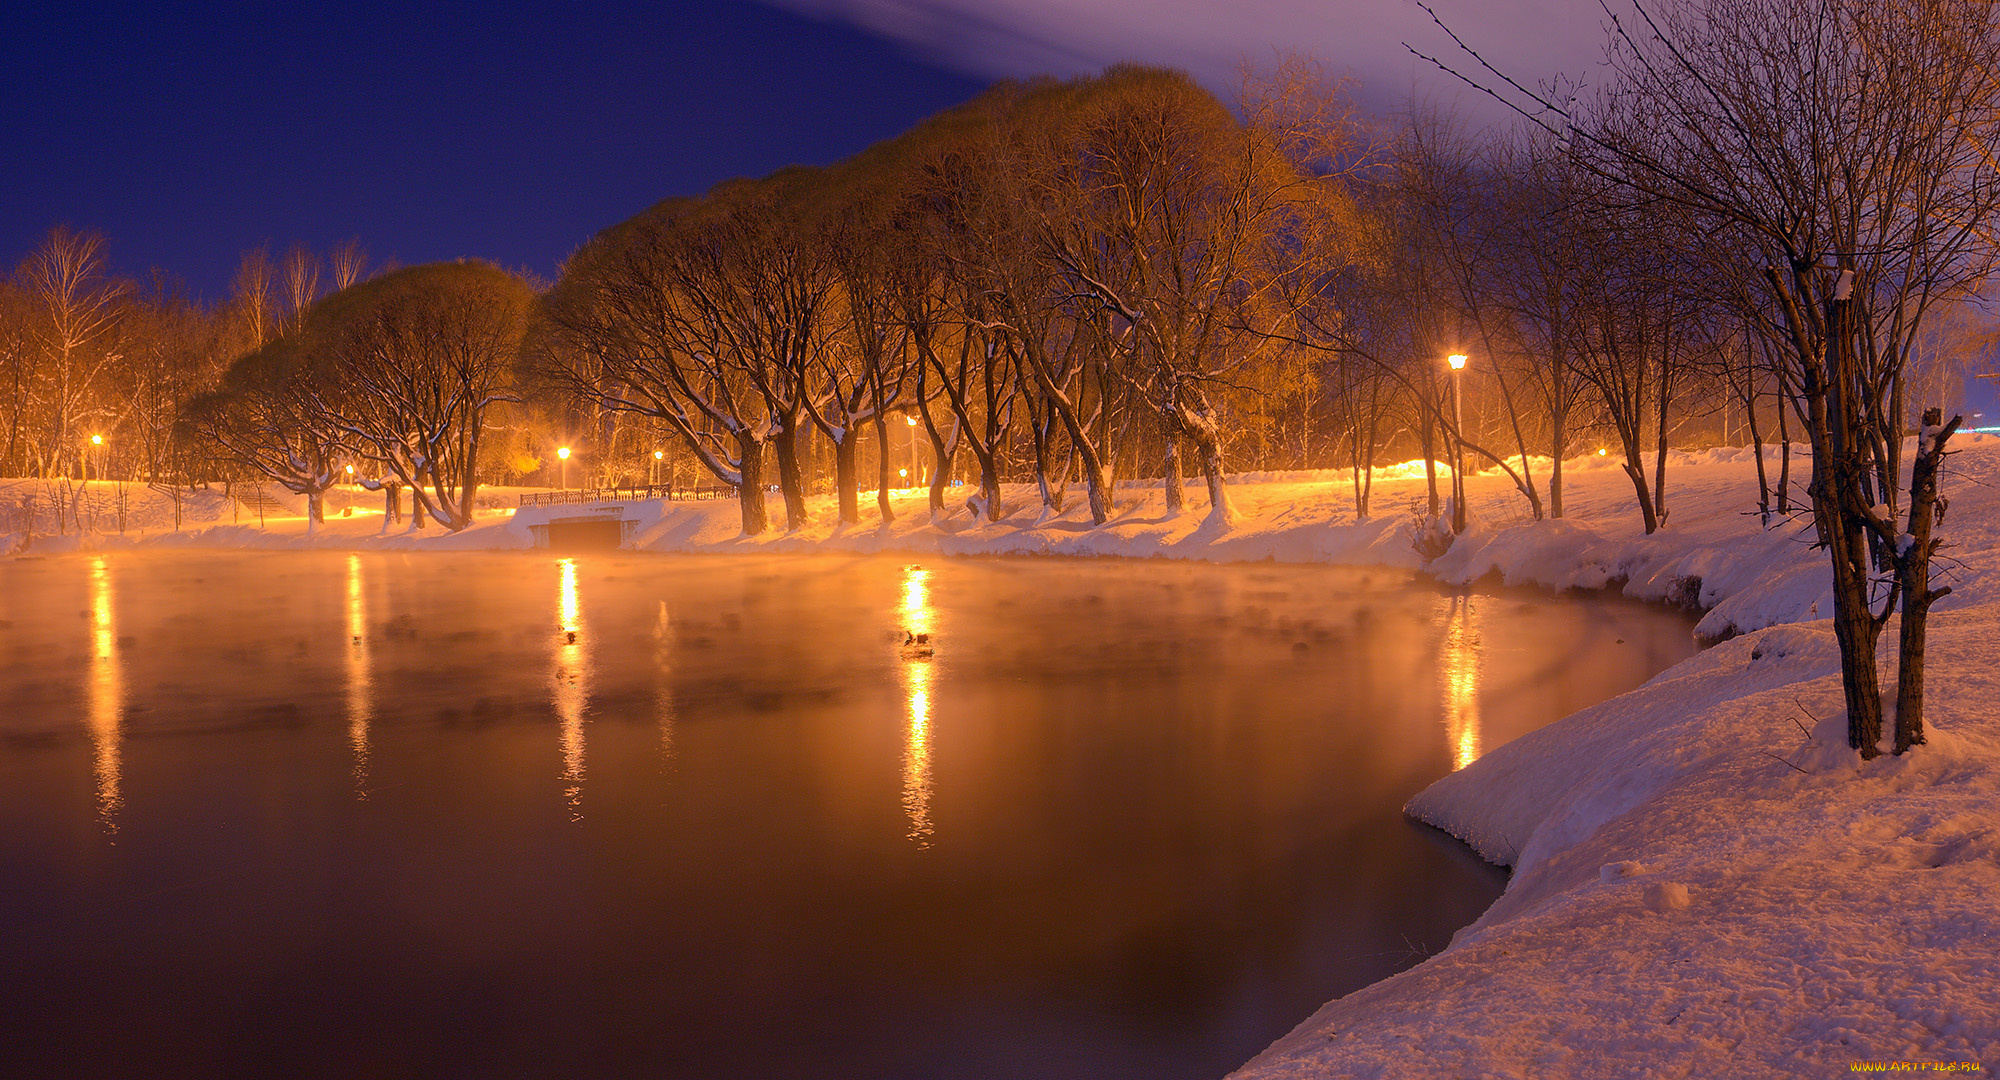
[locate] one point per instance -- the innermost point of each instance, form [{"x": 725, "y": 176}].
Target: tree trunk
[
  {"x": 1854, "y": 625},
  {"x": 791, "y": 480},
  {"x": 1636, "y": 472},
  {"x": 1196, "y": 420},
  {"x": 1355, "y": 463},
  {"x": 1914, "y": 571},
  {"x": 1757, "y": 452},
  {"x": 1837, "y": 502},
  {"x": 885, "y": 465},
  {"x": 1170, "y": 474},
  {"x": 845, "y": 477},
  {"x": 1430, "y": 465},
  {"x": 1040, "y": 433},
  {"x": 1220, "y": 510},
  {"x": 1558, "y": 446},
  {"x": 1784, "y": 451},
  {"x": 945, "y": 450},
  {"x": 750, "y": 489}
]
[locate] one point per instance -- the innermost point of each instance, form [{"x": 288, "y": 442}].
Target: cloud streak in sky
[{"x": 1532, "y": 40}]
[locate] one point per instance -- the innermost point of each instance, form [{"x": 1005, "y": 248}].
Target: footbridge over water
[{"x": 598, "y": 519}]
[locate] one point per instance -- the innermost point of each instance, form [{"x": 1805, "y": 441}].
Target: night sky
[
  {"x": 512, "y": 132},
  {"x": 430, "y": 131}
]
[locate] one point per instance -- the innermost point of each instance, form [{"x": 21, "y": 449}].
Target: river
[{"x": 480, "y": 815}]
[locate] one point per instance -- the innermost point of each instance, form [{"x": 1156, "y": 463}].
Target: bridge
[
  {"x": 595, "y": 519},
  {"x": 631, "y": 493}
]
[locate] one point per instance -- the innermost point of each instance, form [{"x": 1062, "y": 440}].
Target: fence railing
[{"x": 580, "y": 496}]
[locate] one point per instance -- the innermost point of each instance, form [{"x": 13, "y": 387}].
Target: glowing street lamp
[
  {"x": 654, "y": 476},
  {"x": 1457, "y": 363},
  {"x": 350, "y": 474},
  {"x": 563, "y": 453},
  {"x": 912, "y": 421},
  {"x": 96, "y": 444}
]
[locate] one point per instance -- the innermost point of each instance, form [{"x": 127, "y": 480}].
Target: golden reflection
[
  {"x": 571, "y": 676},
  {"x": 917, "y": 675},
  {"x": 916, "y": 608},
  {"x": 917, "y": 752},
  {"x": 107, "y": 697},
  {"x": 1460, "y": 663},
  {"x": 360, "y": 675}
]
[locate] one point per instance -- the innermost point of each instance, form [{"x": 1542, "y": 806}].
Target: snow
[{"x": 1706, "y": 880}]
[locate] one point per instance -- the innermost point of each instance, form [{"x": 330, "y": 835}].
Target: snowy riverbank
[{"x": 1707, "y": 882}]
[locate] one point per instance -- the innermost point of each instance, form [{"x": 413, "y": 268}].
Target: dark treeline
[
  {"x": 1060, "y": 283},
  {"x": 1761, "y": 229}
]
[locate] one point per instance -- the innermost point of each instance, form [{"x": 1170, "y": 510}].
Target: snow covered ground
[{"x": 1707, "y": 882}]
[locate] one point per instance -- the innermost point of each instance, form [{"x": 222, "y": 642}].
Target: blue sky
[{"x": 513, "y": 131}]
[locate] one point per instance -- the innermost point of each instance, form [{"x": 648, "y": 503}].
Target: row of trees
[
  {"x": 1119, "y": 276},
  {"x": 397, "y": 374},
  {"x": 84, "y": 353}
]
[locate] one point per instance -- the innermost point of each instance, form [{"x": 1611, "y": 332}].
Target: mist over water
[{"x": 471, "y": 815}]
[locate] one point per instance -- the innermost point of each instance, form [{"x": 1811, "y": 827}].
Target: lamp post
[
  {"x": 96, "y": 446},
  {"x": 563, "y": 453},
  {"x": 912, "y": 421},
  {"x": 1457, "y": 362},
  {"x": 653, "y": 477}
]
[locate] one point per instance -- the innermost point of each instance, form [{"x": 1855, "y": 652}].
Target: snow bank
[{"x": 1707, "y": 880}]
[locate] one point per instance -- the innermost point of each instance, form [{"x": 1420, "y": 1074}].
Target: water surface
[{"x": 344, "y": 815}]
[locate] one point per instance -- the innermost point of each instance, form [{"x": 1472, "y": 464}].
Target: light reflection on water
[
  {"x": 917, "y": 673},
  {"x": 571, "y": 680},
  {"x": 360, "y": 674},
  {"x": 107, "y": 697},
  {"x": 1459, "y": 663}
]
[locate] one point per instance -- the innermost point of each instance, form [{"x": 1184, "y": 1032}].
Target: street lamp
[
  {"x": 96, "y": 444},
  {"x": 1457, "y": 362},
  {"x": 912, "y": 421},
  {"x": 563, "y": 453},
  {"x": 653, "y": 478}
]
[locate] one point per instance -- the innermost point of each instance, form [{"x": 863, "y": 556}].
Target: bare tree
[
  {"x": 171, "y": 357},
  {"x": 76, "y": 325},
  {"x": 648, "y": 318},
  {"x": 1847, "y": 146},
  {"x": 18, "y": 371},
  {"x": 253, "y": 298},
  {"x": 264, "y": 417},
  {"x": 1170, "y": 214},
  {"x": 417, "y": 358},
  {"x": 299, "y": 273},
  {"x": 349, "y": 263}
]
